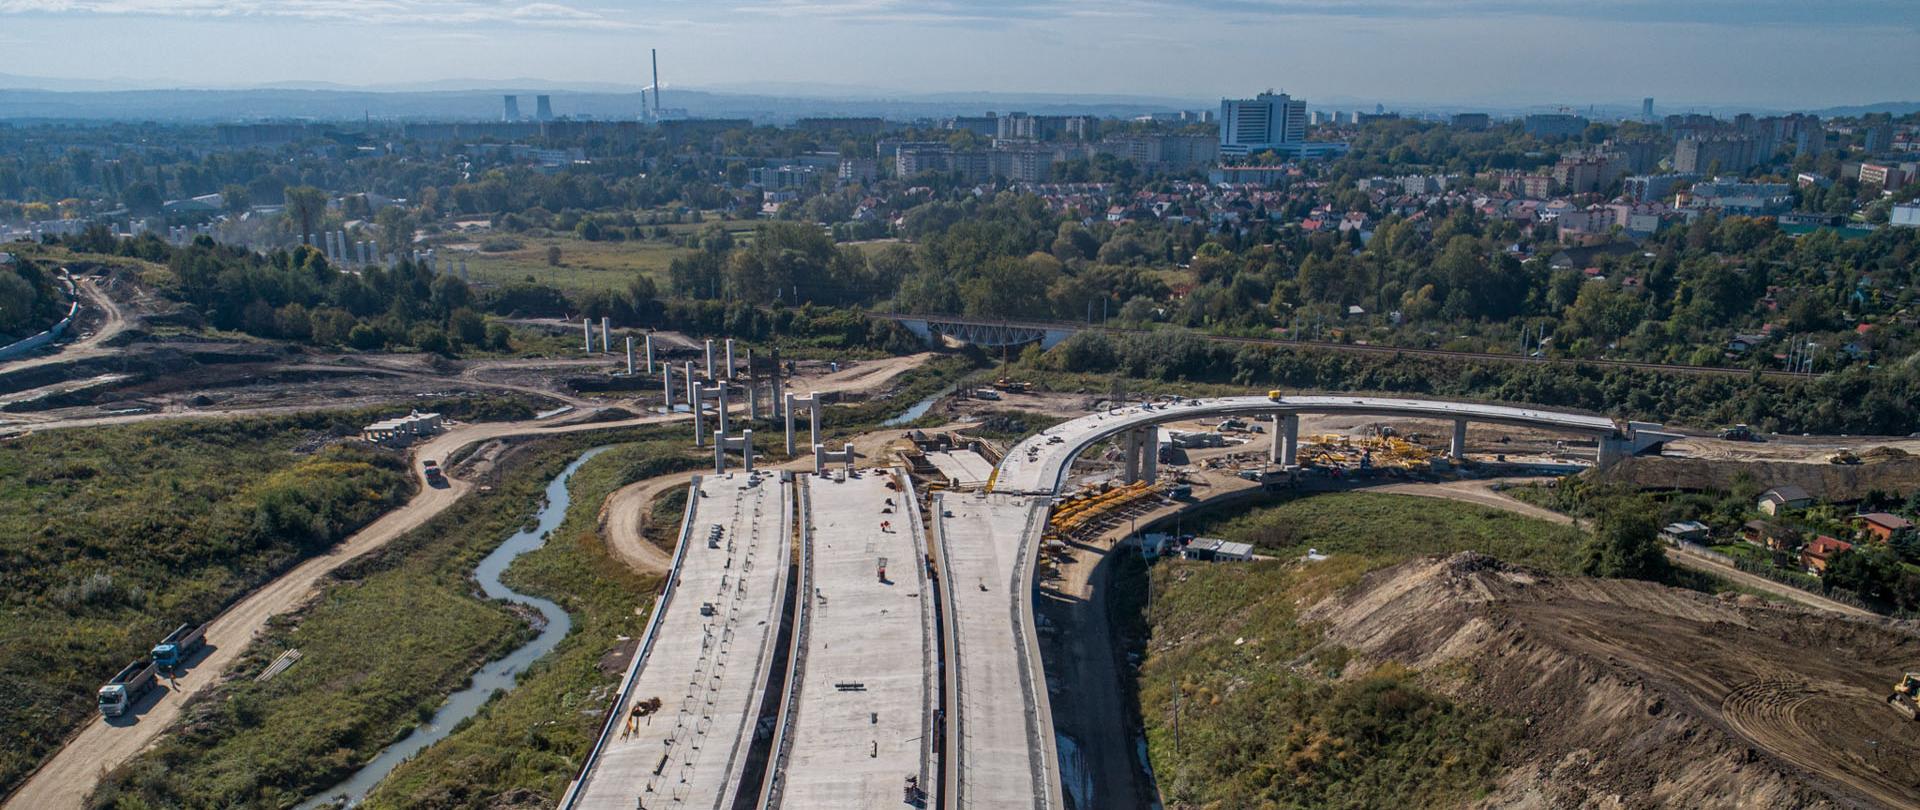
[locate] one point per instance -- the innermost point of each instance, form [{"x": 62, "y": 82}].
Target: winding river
[{"x": 497, "y": 675}]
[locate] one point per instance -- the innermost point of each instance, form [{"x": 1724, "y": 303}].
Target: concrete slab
[
  {"x": 1001, "y": 729},
  {"x": 964, "y": 468},
  {"x": 861, "y": 730},
  {"x": 708, "y": 658}
]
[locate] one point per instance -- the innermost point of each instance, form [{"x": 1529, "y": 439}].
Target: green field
[
  {"x": 1385, "y": 529},
  {"x": 584, "y": 266},
  {"x": 111, "y": 536},
  {"x": 1268, "y": 713}
]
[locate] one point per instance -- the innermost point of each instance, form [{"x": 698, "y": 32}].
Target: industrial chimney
[{"x": 655, "y": 53}]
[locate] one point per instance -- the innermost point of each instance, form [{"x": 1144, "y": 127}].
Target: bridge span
[{"x": 1039, "y": 463}]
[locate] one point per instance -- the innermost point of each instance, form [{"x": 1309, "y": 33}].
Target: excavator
[{"x": 1904, "y": 695}]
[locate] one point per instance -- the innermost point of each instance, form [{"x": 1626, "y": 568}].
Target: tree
[
  {"x": 553, "y": 255},
  {"x": 306, "y": 205},
  {"x": 1626, "y": 544}
]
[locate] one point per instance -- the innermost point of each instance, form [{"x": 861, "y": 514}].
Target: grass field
[
  {"x": 391, "y": 635},
  {"x": 584, "y": 266},
  {"x": 112, "y": 536},
  {"x": 1384, "y": 529},
  {"x": 1246, "y": 706}
]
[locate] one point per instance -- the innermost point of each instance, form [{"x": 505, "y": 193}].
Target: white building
[
  {"x": 1268, "y": 121},
  {"x": 1905, "y": 216}
]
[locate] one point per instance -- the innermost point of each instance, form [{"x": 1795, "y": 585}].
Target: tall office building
[
  {"x": 513, "y": 108},
  {"x": 543, "y": 108},
  {"x": 1261, "y": 123},
  {"x": 1646, "y": 108}
]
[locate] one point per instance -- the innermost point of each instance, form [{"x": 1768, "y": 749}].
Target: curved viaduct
[{"x": 1038, "y": 464}]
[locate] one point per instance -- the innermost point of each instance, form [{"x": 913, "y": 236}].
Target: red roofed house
[
  {"x": 1880, "y": 527},
  {"x": 1817, "y": 554}
]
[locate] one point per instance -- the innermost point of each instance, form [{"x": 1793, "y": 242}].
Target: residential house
[
  {"x": 1783, "y": 499},
  {"x": 1769, "y": 535},
  {"x": 1686, "y": 531},
  {"x": 1819, "y": 553},
  {"x": 1880, "y": 527}
]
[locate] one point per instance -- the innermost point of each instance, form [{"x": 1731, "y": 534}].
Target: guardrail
[
  {"x": 1040, "y": 717},
  {"x": 640, "y": 653},
  {"x": 28, "y": 345}
]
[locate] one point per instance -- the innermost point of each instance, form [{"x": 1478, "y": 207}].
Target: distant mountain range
[{"x": 29, "y": 98}]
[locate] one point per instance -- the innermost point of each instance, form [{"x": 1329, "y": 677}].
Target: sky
[{"x": 1689, "y": 54}]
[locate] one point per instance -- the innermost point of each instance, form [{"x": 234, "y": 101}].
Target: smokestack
[{"x": 655, "y": 53}]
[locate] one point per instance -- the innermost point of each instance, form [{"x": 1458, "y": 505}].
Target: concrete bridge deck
[{"x": 706, "y": 657}]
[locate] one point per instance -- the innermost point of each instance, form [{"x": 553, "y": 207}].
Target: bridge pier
[
  {"x": 1286, "y": 440},
  {"x": 666, "y": 382},
  {"x": 1150, "y": 453},
  {"x": 811, "y": 404},
  {"x": 723, "y": 443},
  {"x": 698, "y": 409},
  {"x": 1131, "y": 452},
  {"x": 709, "y": 358},
  {"x": 1458, "y": 449}
]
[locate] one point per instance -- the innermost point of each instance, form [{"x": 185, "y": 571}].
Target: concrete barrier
[{"x": 29, "y": 345}]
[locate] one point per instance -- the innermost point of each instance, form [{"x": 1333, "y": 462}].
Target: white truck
[{"x": 126, "y": 688}]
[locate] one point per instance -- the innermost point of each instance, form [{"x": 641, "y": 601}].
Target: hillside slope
[{"x": 1638, "y": 695}]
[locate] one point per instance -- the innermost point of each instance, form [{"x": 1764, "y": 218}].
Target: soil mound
[{"x": 1638, "y": 695}]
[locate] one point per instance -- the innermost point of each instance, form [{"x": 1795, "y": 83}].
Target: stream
[
  {"x": 496, "y": 675},
  {"x": 919, "y": 409}
]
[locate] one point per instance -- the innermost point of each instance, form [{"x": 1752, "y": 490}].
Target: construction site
[{"x": 919, "y": 615}]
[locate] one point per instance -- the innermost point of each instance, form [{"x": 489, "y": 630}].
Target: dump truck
[
  {"x": 1904, "y": 694},
  {"x": 125, "y": 689},
  {"x": 173, "y": 651}
]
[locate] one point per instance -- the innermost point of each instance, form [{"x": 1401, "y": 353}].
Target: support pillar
[
  {"x": 606, "y": 340},
  {"x": 723, "y": 409},
  {"x": 753, "y": 389},
  {"x": 710, "y": 359},
  {"x": 1290, "y": 440},
  {"x": 649, "y": 340},
  {"x": 666, "y": 386},
  {"x": 788, "y": 411},
  {"x": 746, "y": 450},
  {"x": 629, "y": 355},
  {"x": 688, "y": 369},
  {"x": 813, "y": 411},
  {"x": 586, "y": 327},
  {"x": 1458, "y": 450},
  {"x": 719, "y": 454},
  {"x": 1275, "y": 452},
  {"x": 729, "y": 358},
  {"x": 1150, "y": 453},
  {"x": 697, "y": 407}
]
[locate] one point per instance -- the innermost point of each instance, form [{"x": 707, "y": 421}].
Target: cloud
[{"x": 390, "y": 12}]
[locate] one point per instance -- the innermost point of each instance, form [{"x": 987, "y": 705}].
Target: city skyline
[{"x": 1761, "y": 55}]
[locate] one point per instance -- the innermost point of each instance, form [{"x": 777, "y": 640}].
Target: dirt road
[
  {"x": 114, "y": 321},
  {"x": 1482, "y": 493},
  {"x": 64, "y": 779}
]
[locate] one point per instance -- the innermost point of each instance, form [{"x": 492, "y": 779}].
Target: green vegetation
[
  {"x": 1230, "y": 724},
  {"x": 534, "y": 737},
  {"x": 583, "y": 267},
  {"x": 110, "y": 537},
  {"x": 1627, "y": 544},
  {"x": 1385, "y": 529},
  {"x": 392, "y": 634},
  {"x": 29, "y": 300}
]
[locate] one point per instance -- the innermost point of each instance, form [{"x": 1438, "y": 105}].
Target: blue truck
[
  {"x": 126, "y": 688},
  {"x": 179, "y": 646}
]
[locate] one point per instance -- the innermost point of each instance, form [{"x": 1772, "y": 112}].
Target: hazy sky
[{"x": 1685, "y": 52}]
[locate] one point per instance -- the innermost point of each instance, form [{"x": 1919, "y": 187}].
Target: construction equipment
[
  {"x": 1273, "y": 395},
  {"x": 178, "y": 646},
  {"x": 1904, "y": 696},
  {"x": 1843, "y": 457},
  {"x": 119, "y": 694},
  {"x": 1738, "y": 433}
]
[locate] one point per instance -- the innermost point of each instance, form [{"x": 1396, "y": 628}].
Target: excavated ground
[{"x": 1639, "y": 695}]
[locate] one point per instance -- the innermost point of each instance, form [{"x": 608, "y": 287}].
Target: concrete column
[
  {"x": 694, "y": 403},
  {"x": 788, "y": 411},
  {"x": 1150, "y": 453},
  {"x": 629, "y": 355},
  {"x": 729, "y": 358},
  {"x": 723, "y": 409},
  {"x": 1276, "y": 452},
  {"x": 649, "y": 340},
  {"x": 813, "y": 412},
  {"x": 1132, "y": 454},
  {"x": 666, "y": 385},
  {"x": 719, "y": 451},
  {"x": 1290, "y": 440},
  {"x": 586, "y": 328},
  {"x": 1459, "y": 448},
  {"x": 606, "y": 341},
  {"x": 746, "y": 449},
  {"x": 687, "y": 368},
  {"x": 710, "y": 359}
]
